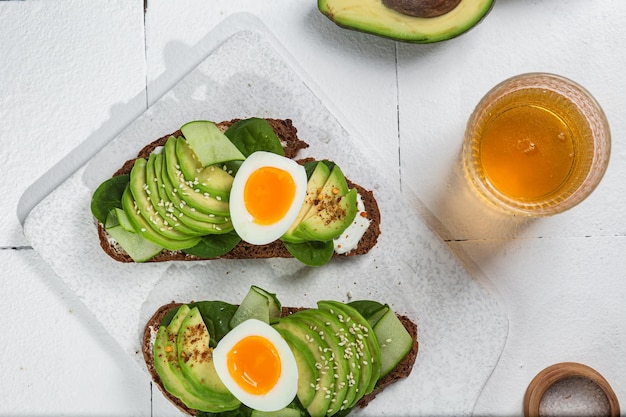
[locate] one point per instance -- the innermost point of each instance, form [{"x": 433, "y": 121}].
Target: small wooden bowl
[{"x": 552, "y": 374}]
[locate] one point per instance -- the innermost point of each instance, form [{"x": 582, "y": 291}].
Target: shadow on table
[{"x": 458, "y": 214}]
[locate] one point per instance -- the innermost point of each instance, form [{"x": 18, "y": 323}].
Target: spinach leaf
[
  {"x": 309, "y": 166},
  {"x": 311, "y": 253},
  {"x": 371, "y": 311},
  {"x": 108, "y": 196},
  {"x": 216, "y": 316},
  {"x": 254, "y": 134},
  {"x": 167, "y": 318},
  {"x": 212, "y": 246},
  {"x": 242, "y": 411}
]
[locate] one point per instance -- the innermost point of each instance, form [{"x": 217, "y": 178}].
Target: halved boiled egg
[
  {"x": 266, "y": 196},
  {"x": 257, "y": 366}
]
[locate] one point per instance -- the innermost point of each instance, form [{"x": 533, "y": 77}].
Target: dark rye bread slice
[
  {"x": 288, "y": 135},
  {"x": 401, "y": 371}
]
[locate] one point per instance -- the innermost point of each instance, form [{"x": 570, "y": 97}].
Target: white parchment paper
[{"x": 462, "y": 329}]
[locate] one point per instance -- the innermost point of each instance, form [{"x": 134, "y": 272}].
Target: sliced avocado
[
  {"x": 307, "y": 371},
  {"x": 399, "y": 19},
  {"x": 141, "y": 194},
  {"x": 343, "y": 379},
  {"x": 146, "y": 231},
  {"x": 209, "y": 143},
  {"x": 193, "y": 218},
  {"x": 333, "y": 211},
  {"x": 194, "y": 198},
  {"x": 195, "y": 358},
  {"x": 323, "y": 387},
  {"x": 352, "y": 358},
  {"x": 159, "y": 204},
  {"x": 313, "y": 188},
  {"x": 135, "y": 246},
  {"x": 395, "y": 342},
  {"x": 210, "y": 179},
  {"x": 122, "y": 218},
  {"x": 166, "y": 364},
  {"x": 365, "y": 333}
]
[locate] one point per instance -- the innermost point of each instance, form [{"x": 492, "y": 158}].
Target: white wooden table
[{"x": 73, "y": 68}]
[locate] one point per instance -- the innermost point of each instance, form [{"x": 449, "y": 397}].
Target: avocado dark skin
[{"x": 422, "y": 8}]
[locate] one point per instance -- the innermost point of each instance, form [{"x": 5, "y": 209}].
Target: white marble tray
[{"x": 462, "y": 327}]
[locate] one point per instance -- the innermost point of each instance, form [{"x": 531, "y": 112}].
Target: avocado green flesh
[
  {"x": 143, "y": 228},
  {"x": 195, "y": 359},
  {"x": 362, "y": 327},
  {"x": 192, "y": 218},
  {"x": 166, "y": 365},
  {"x": 159, "y": 204},
  {"x": 307, "y": 371},
  {"x": 372, "y": 16},
  {"x": 210, "y": 179},
  {"x": 334, "y": 210},
  {"x": 348, "y": 342},
  {"x": 340, "y": 367},
  {"x": 332, "y": 220},
  {"x": 200, "y": 201},
  {"x": 323, "y": 387},
  {"x": 314, "y": 186},
  {"x": 173, "y": 195},
  {"x": 139, "y": 189}
]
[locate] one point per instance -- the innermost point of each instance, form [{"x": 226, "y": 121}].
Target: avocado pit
[{"x": 422, "y": 8}]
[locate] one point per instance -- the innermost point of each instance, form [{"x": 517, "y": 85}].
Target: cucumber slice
[
  {"x": 210, "y": 145},
  {"x": 394, "y": 340},
  {"x": 257, "y": 304},
  {"x": 135, "y": 246}
]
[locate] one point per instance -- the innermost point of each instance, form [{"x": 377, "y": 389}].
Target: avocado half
[{"x": 382, "y": 18}]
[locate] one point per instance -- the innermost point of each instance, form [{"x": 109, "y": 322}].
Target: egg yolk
[
  {"x": 268, "y": 194},
  {"x": 254, "y": 364}
]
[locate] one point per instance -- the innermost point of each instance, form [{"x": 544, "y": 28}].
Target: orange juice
[{"x": 531, "y": 147}]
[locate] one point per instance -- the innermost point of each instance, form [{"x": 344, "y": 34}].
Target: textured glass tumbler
[{"x": 537, "y": 144}]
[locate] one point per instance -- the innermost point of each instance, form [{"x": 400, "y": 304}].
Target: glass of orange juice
[{"x": 536, "y": 144}]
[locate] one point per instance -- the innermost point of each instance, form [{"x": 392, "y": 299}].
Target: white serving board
[{"x": 462, "y": 329}]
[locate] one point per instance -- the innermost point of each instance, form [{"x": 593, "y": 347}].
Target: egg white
[
  {"x": 285, "y": 389},
  {"x": 243, "y": 221}
]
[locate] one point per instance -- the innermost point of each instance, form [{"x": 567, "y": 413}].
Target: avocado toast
[
  {"x": 171, "y": 202},
  {"x": 345, "y": 353}
]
